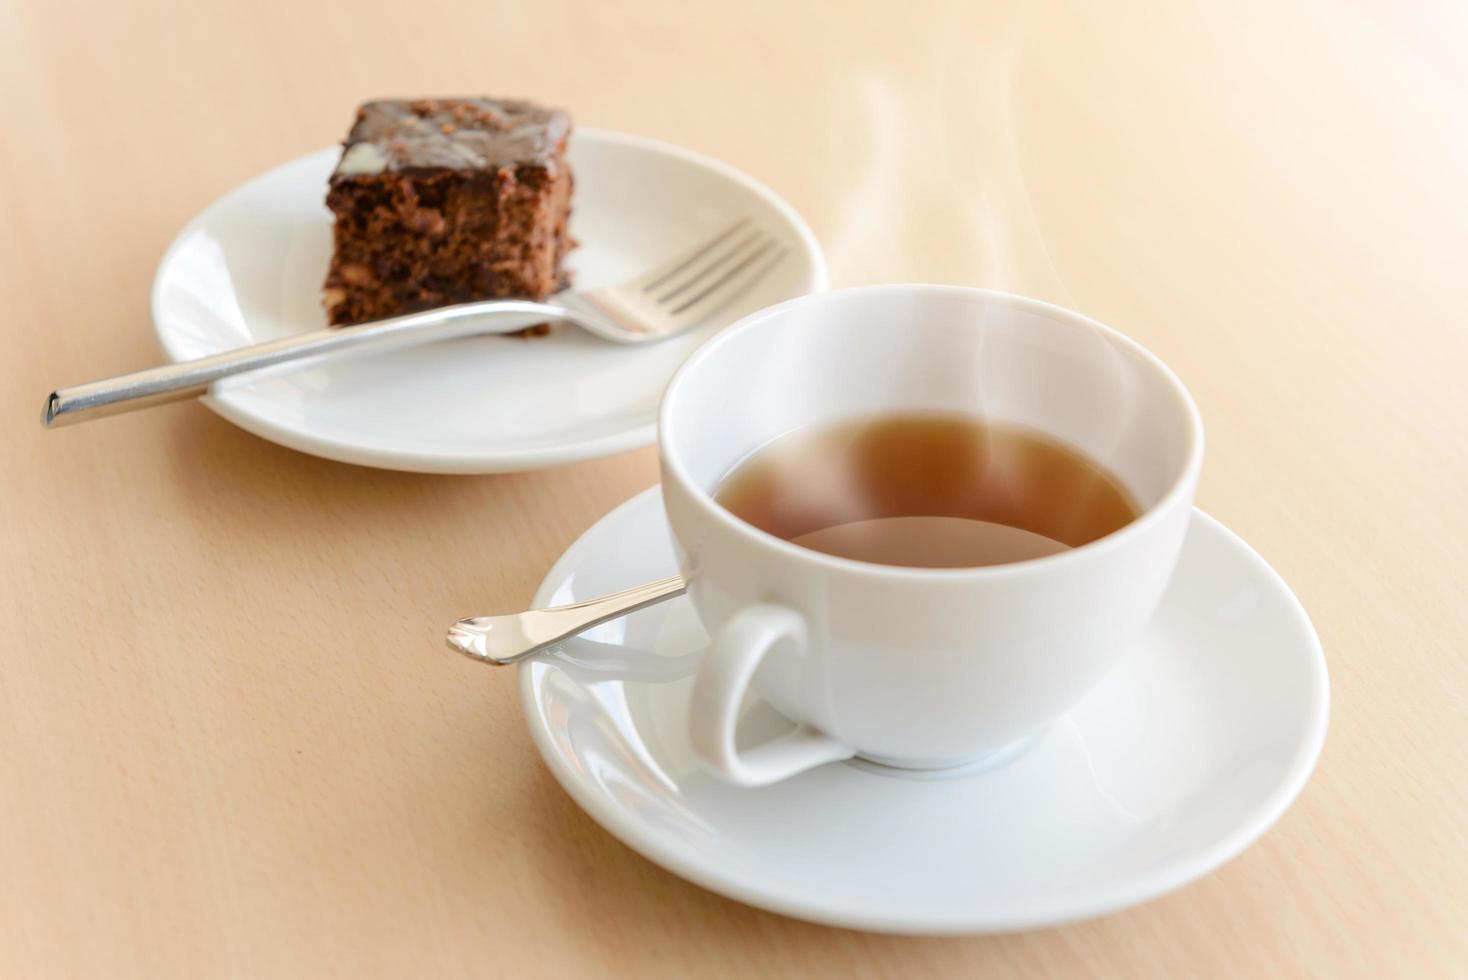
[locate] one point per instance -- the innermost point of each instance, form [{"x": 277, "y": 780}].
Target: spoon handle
[
  {"x": 515, "y": 636},
  {"x": 189, "y": 379}
]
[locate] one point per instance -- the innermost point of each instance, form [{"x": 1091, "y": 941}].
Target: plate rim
[
  {"x": 1167, "y": 879},
  {"x": 430, "y": 460}
]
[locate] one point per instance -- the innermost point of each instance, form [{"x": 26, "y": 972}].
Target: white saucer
[
  {"x": 1183, "y": 756},
  {"x": 250, "y": 267}
]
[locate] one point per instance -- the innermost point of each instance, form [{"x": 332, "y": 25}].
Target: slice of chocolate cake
[{"x": 446, "y": 200}]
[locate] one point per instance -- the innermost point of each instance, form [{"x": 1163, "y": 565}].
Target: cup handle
[{"x": 719, "y": 690}]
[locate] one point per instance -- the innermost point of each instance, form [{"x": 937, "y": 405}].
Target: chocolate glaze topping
[{"x": 457, "y": 134}]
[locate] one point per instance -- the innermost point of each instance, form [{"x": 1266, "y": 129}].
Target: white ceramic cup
[{"x": 911, "y": 667}]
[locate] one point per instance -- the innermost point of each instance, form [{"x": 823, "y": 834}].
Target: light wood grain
[{"x": 231, "y": 743}]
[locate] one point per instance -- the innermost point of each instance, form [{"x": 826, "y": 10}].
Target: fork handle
[{"x": 189, "y": 379}]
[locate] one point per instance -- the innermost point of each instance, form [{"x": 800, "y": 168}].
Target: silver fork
[{"x": 675, "y": 297}]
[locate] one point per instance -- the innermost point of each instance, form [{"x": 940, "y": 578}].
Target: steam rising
[{"x": 942, "y": 196}]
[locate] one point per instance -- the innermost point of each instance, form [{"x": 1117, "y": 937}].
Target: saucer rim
[
  {"x": 459, "y": 461},
  {"x": 1165, "y": 879}
]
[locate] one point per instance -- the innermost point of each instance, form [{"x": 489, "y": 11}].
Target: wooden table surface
[{"x": 231, "y": 741}]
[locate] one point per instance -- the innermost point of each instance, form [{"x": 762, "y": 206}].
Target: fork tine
[
  {"x": 676, "y": 265},
  {"x": 715, "y": 272},
  {"x": 734, "y": 283},
  {"x": 708, "y": 267}
]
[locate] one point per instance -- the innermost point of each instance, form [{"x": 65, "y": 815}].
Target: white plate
[
  {"x": 1176, "y": 763},
  {"x": 250, "y": 267}
]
